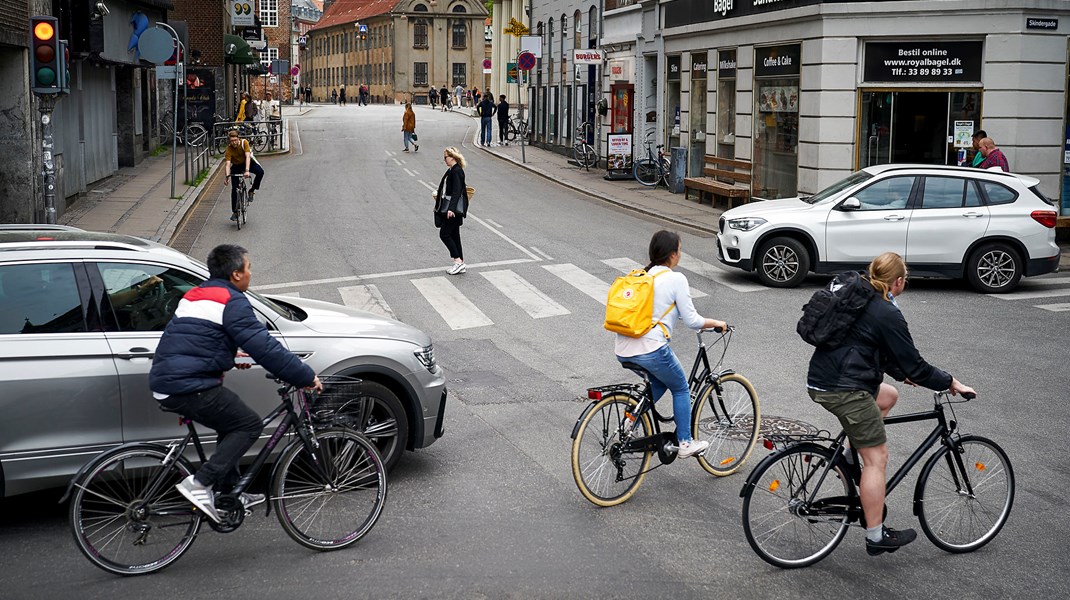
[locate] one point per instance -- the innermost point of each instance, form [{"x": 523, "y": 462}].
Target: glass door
[{"x": 913, "y": 126}]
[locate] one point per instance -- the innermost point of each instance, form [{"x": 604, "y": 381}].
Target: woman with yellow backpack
[{"x": 648, "y": 346}]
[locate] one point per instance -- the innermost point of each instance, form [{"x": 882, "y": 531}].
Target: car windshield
[
  {"x": 850, "y": 181},
  {"x": 284, "y": 310}
]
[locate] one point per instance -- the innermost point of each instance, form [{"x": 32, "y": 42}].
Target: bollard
[{"x": 677, "y": 169}]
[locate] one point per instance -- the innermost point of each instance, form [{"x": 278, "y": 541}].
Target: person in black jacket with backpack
[
  {"x": 847, "y": 380},
  {"x": 197, "y": 347}
]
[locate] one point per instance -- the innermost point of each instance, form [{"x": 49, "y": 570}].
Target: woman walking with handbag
[
  {"x": 451, "y": 205},
  {"x": 408, "y": 127}
]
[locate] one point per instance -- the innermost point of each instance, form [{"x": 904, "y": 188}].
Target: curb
[
  {"x": 176, "y": 219},
  {"x": 608, "y": 199}
]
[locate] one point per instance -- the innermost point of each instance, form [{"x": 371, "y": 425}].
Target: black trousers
[
  {"x": 237, "y": 425},
  {"x": 450, "y": 234},
  {"x": 258, "y": 175},
  {"x": 503, "y": 126}
]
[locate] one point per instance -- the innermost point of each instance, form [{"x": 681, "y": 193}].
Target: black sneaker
[{"x": 891, "y": 540}]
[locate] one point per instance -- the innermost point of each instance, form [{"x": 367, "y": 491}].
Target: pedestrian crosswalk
[{"x": 1057, "y": 286}]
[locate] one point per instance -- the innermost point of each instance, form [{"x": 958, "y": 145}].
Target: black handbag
[{"x": 414, "y": 138}]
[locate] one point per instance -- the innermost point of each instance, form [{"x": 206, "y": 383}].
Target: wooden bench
[{"x": 724, "y": 177}]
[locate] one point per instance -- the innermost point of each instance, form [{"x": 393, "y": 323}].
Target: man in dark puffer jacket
[{"x": 199, "y": 344}]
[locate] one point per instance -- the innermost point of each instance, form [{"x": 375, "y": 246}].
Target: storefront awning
[{"x": 237, "y": 51}]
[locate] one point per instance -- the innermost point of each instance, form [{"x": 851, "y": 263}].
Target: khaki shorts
[{"x": 858, "y": 414}]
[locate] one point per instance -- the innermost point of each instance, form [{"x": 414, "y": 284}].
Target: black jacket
[
  {"x": 878, "y": 343},
  {"x": 486, "y": 108},
  {"x": 503, "y": 112},
  {"x": 452, "y": 195}
]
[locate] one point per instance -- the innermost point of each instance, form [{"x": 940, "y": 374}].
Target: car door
[
  {"x": 855, "y": 237},
  {"x": 135, "y": 323},
  {"x": 948, "y": 217},
  {"x": 60, "y": 390}
]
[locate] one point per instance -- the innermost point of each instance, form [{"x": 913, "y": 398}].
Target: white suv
[{"x": 987, "y": 226}]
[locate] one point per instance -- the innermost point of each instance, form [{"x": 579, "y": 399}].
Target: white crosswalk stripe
[
  {"x": 293, "y": 294},
  {"x": 1027, "y": 295},
  {"x": 581, "y": 280},
  {"x": 457, "y": 310},
  {"x": 1061, "y": 307},
  {"x": 524, "y": 294},
  {"x": 713, "y": 273},
  {"x": 626, "y": 265},
  {"x": 366, "y": 297}
]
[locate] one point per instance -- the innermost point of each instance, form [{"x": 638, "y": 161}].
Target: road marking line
[
  {"x": 1027, "y": 283},
  {"x": 293, "y": 294},
  {"x": 493, "y": 223},
  {"x": 295, "y": 140},
  {"x": 524, "y": 294},
  {"x": 348, "y": 278},
  {"x": 429, "y": 186},
  {"x": 415, "y": 172},
  {"x": 397, "y": 161},
  {"x": 366, "y": 297},
  {"x": 713, "y": 273},
  {"x": 626, "y": 265},
  {"x": 581, "y": 280},
  {"x": 411, "y": 174},
  {"x": 541, "y": 253},
  {"x": 1065, "y": 306},
  {"x": 503, "y": 236},
  {"x": 1031, "y": 295},
  {"x": 457, "y": 310},
  {"x": 388, "y": 153}
]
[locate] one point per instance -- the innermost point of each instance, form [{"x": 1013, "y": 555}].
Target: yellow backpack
[{"x": 630, "y": 305}]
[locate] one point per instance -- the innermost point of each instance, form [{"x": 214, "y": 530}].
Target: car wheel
[
  {"x": 782, "y": 263},
  {"x": 378, "y": 414},
  {"x": 994, "y": 269}
]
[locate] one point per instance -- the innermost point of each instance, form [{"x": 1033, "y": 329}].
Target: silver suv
[
  {"x": 987, "y": 226},
  {"x": 76, "y": 344}
]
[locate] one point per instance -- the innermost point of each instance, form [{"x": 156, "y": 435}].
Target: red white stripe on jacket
[{"x": 205, "y": 303}]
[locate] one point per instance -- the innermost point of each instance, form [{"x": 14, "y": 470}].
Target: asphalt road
[{"x": 490, "y": 510}]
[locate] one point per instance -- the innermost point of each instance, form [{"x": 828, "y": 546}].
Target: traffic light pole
[{"x": 45, "y": 104}]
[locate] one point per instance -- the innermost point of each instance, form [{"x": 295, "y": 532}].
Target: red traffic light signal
[{"x": 45, "y": 58}]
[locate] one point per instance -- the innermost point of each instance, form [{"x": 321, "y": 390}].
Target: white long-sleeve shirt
[{"x": 668, "y": 289}]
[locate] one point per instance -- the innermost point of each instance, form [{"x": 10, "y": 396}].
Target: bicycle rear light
[
  {"x": 768, "y": 444},
  {"x": 594, "y": 394}
]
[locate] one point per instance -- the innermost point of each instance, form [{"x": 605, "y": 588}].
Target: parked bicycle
[
  {"x": 615, "y": 437},
  {"x": 243, "y": 199},
  {"x": 653, "y": 169},
  {"x": 328, "y": 488},
  {"x": 799, "y": 501},
  {"x": 193, "y": 134},
  {"x": 582, "y": 152},
  {"x": 252, "y": 131},
  {"x": 517, "y": 128}
]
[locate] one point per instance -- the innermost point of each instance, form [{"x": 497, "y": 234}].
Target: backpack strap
[{"x": 664, "y": 329}]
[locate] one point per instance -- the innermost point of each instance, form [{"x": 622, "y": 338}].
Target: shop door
[{"x": 913, "y": 126}]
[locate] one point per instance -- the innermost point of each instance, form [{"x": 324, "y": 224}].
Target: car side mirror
[{"x": 851, "y": 203}]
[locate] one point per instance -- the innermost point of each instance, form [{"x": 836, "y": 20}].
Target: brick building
[{"x": 277, "y": 27}]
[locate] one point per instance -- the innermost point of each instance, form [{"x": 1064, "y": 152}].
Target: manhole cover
[{"x": 785, "y": 426}]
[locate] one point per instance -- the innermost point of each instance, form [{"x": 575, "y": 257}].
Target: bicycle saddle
[{"x": 638, "y": 370}]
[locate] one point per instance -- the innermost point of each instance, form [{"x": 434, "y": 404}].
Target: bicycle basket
[{"x": 341, "y": 399}]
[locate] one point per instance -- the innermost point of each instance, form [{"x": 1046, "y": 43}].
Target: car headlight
[
  {"x": 746, "y": 223},
  {"x": 426, "y": 356}
]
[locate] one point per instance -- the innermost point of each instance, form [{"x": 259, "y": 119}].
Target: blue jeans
[
  {"x": 408, "y": 139},
  {"x": 668, "y": 374},
  {"x": 484, "y": 130}
]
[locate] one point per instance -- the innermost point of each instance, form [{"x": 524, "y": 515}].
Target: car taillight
[{"x": 1047, "y": 218}]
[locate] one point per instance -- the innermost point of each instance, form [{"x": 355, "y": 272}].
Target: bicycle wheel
[
  {"x": 511, "y": 132},
  {"x": 665, "y": 170},
  {"x": 604, "y": 475},
  {"x": 258, "y": 141},
  {"x": 127, "y": 516},
  {"x": 584, "y": 155},
  {"x": 646, "y": 172},
  {"x": 240, "y": 207},
  {"x": 333, "y": 513},
  {"x": 962, "y": 506},
  {"x": 196, "y": 135},
  {"x": 781, "y": 525},
  {"x": 729, "y": 420}
]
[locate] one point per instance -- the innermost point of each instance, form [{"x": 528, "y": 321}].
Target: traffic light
[
  {"x": 64, "y": 68},
  {"x": 45, "y": 56}
]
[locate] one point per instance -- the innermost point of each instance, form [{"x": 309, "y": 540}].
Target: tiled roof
[{"x": 352, "y": 11}]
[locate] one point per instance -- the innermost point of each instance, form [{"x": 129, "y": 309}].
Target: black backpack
[{"x": 831, "y": 311}]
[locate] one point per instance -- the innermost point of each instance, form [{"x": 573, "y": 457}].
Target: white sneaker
[
  {"x": 456, "y": 269},
  {"x": 692, "y": 447},
  {"x": 200, "y": 496},
  {"x": 250, "y": 500}
]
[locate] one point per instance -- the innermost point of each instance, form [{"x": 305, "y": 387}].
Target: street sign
[
  {"x": 587, "y": 57},
  {"x": 511, "y": 72},
  {"x": 516, "y": 28},
  {"x": 532, "y": 44},
  {"x": 486, "y": 63},
  {"x": 295, "y": 70},
  {"x": 241, "y": 13},
  {"x": 156, "y": 45},
  {"x": 279, "y": 67},
  {"x": 363, "y": 28},
  {"x": 171, "y": 72},
  {"x": 526, "y": 61}
]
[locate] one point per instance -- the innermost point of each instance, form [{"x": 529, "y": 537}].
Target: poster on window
[
  {"x": 620, "y": 152},
  {"x": 778, "y": 98}
]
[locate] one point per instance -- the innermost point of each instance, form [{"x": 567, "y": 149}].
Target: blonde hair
[
  {"x": 884, "y": 270},
  {"x": 457, "y": 156}
]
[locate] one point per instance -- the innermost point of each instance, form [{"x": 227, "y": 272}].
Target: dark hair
[
  {"x": 980, "y": 134},
  {"x": 662, "y": 245},
  {"x": 224, "y": 259}
]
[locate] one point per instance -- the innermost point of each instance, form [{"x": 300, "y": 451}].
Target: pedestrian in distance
[
  {"x": 334, "y": 96},
  {"x": 467, "y": 99},
  {"x": 342, "y": 96},
  {"x": 239, "y": 155},
  {"x": 847, "y": 380},
  {"x": 408, "y": 127},
  {"x": 451, "y": 207},
  {"x": 475, "y": 96},
  {"x": 458, "y": 94},
  {"x": 672, "y": 301},
  {"x": 993, "y": 156},
  {"x": 197, "y": 347},
  {"x": 363, "y": 99},
  {"x": 432, "y": 97},
  {"x": 503, "y": 120},
  {"x": 486, "y": 109},
  {"x": 444, "y": 98},
  {"x": 977, "y": 156},
  {"x": 247, "y": 109}
]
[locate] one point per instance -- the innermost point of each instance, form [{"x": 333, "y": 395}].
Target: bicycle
[
  {"x": 800, "y": 500},
  {"x": 517, "y": 128},
  {"x": 652, "y": 170},
  {"x": 724, "y": 412},
  {"x": 243, "y": 199},
  {"x": 328, "y": 488},
  {"x": 193, "y": 134},
  {"x": 583, "y": 152},
  {"x": 258, "y": 140}
]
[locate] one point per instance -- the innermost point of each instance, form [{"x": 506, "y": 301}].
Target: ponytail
[
  {"x": 883, "y": 272},
  {"x": 662, "y": 245}
]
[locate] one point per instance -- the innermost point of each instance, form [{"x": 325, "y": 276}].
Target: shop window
[
  {"x": 726, "y": 104},
  {"x": 776, "y": 121}
]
